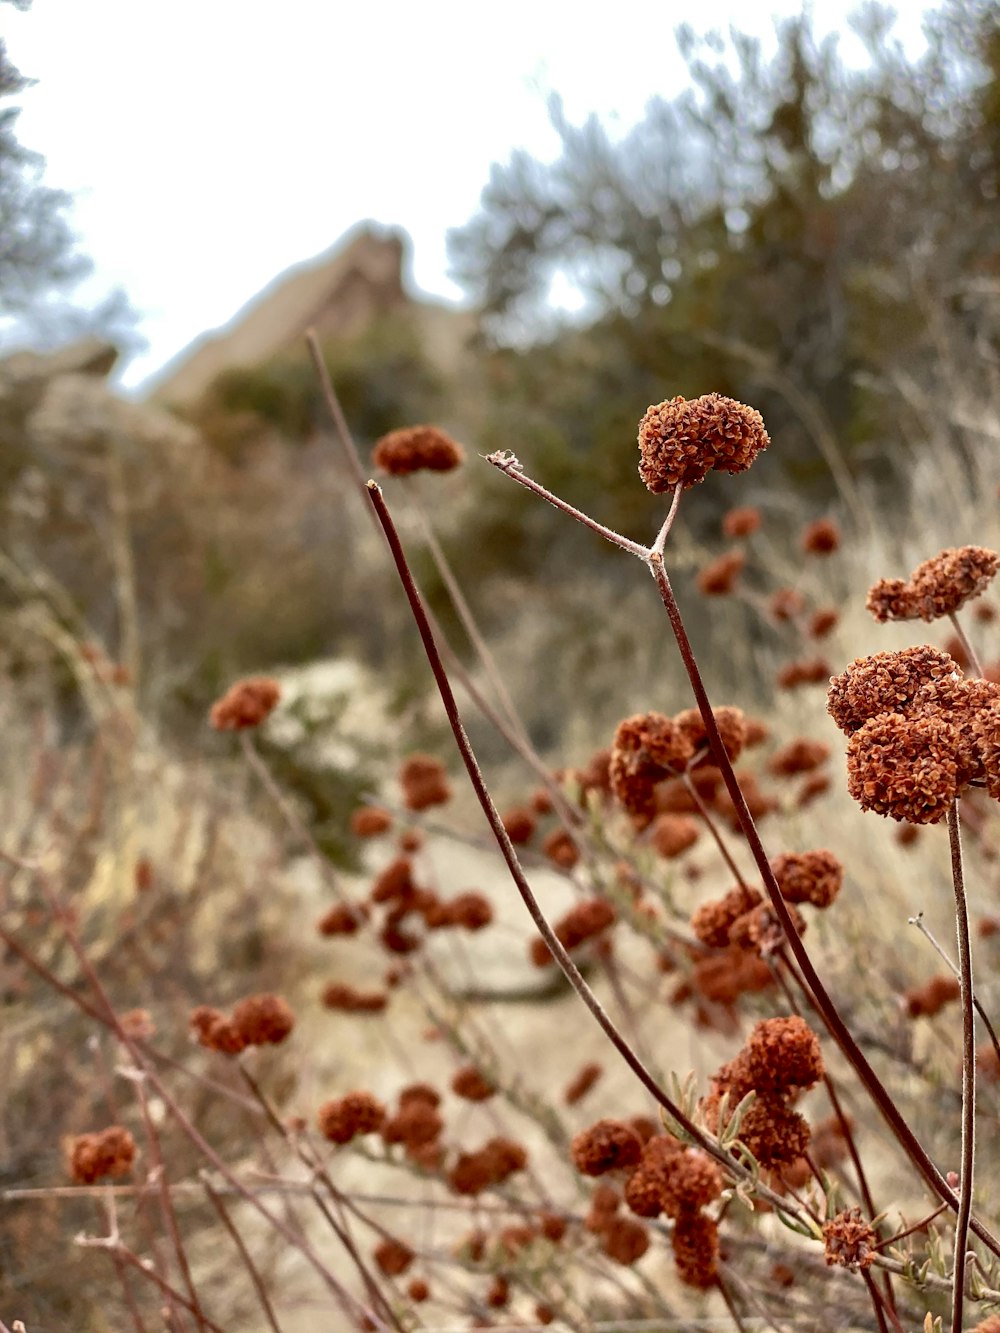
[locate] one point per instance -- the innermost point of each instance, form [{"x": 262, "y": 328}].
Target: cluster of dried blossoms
[
  {"x": 919, "y": 732},
  {"x": 681, "y": 440},
  {"x": 417, "y": 449},
  {"x": 259, "y": 1020},
  {"x": 246, "y": 704},
  {"x": 936, "y": 588},
  {"x": 103, "y": 1153},
  {"x": 659, "y": 1176}
]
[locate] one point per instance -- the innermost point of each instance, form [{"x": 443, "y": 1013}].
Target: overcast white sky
[{"x": 209, "y": 144}]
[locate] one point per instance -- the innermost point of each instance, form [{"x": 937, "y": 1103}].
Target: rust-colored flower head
[
  {"x": 803, "y": 671},
  {"x": 561, "y": 850},
  {"x": 470, "y": 1084},
  {"x": 681, "y": 441},
  {"x": 774, "y": 1133},
  {"x": 263, "y": 1020},
  {"x": 695, "y": 1242},
  {"x": 338, "y": 995},
  {"x": 713, "y": 920},
  {"x": 849, "y": 1240},
  {"x": 690, "y": 1179},
  {"x": 718, "y": 577},
  {"x": 783, "y": 1055},
  {"x": 820, "y": 537},
  {"x": 417, "y": 449},
  {"x": 581, "y": 1083},
  {"x": 418, "y": 1290},
  {"x": 624, "y": 1240},
  {"x": 801, "y": 755},
  {"x": 498, "y": 1293},
  {"x": 246, "y": 704},
  {"x": 606, "y": 1146},
  {"x": 553, "y": 1227},
  {"x": 823, "y": 622},
  {"x": 672, "y": 835},
  {"x": 392, "y": 1257},
  {"x": 885, "y": 683},
  {"x": 216, "y": 1032},
  {"x": 106, "y": 1152},
  {"x": 967, "y": 705},
  {"x": 936, "y": 588},
  {"x": 370, "y": 821},
  {"x": 414, "y": 1125},
  {"x": 424, "y": 781},
  {"x": 985, "y": 728},
  {"x": 809, "y": 877},
  {"x": 584, "y": 921},
  {"x": 341, "y": 919},
  {"x": 929, "y": 999},
  {"x": 346, "y": 1117},
  {"x": 760, "y": 930},
  {"x": 520, "y": 824},
  {"x": 904, "y": 767},
  {"x": 740, "y": 522},
  {"x": 604, "y": 1204},
  {"x": 732, "y": 724}
]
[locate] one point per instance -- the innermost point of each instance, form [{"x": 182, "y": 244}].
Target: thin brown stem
[
  {"x": 928, "y": 935},
  {"x": 215, "y": 1200},
  {"x": 966, "y": 643},
  {"x": 966, "y": 1181}
]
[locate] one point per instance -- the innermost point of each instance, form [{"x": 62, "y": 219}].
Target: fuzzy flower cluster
[
  {"x": 583, "y": 922},
  {"x": 417, "y": 449},
  {"x": 936, "y": 588},
  {"x": 259, "y": 1020},
  {"x": 246, "y": 704},
  {"x": 850, "y": 1241},
  {"x": 649, "y": 748},
  {"x": 106, "y": 1152},
  {"x": 780, "y": 1059},
  {"x": 424, "y": 781},
  {"x": 919, "y": 732},
  {"x": 681, "y": 440}
]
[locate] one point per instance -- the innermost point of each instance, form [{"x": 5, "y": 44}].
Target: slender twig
[
  {"x": 115, "y": 1246},
  {"x": 876, "y": 1298},
  {"x": 966, "y": 1181},
  {"x": 966, "y": 643},
  {"x": 248, "y": 1263},
  {"x": 928, "y": 935},
  {"x": 917, "y": 1226}
]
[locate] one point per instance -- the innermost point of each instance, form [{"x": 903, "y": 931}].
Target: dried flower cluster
[
  {"x": 246, "y": 704},
  {"x": 936, "y": 588},
  {"x": 681, "y": 440},
  {"x": 105, "y": 1152},
  {"x": 424, "y": 781},
  {"x": 849, "y": 1240},
  {"x": 346, "y": 1117},
  {"x": 417, "y": 449},
  {"x": 920, "y": 733},
  {"x": 259, "y": 1020}
]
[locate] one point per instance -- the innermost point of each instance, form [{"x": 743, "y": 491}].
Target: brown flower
[
  {"x": 606, "y": 1146},
  {"x": 215, "y": 1031},
  {"x": 472, "y": 1085},
  {"x": 336, "y": 995},
  {"x": 263, "y": 1020},
  {"x": 415, "y": 449},
  {"x": 849, "y": 1241},
  {"x": 560, "y": 848},
  {"x": 741, "y": 522},
  {"x": 823, "y": 622},
  {"x": 821, "y": 537},
  {"x": 370, "y": 821},
  {"x": 808, "y": 877},
  {"x": 929, "y": 999},
  {"x": 424, "y": 781},
  {"x": 783, "y": 1054},
  {"x": 885, "y": 683},
  {"x": 798, "y": 756},
  {"x": 939, "y": 586},
  {"x": 713, "y": 920},
  {"x": 520, "y": 824},
  {"x": 718, "y": 578},
  {"x": 672, "y": 835},
  {"x": 803, "y": 671},
  {"x": 731, "y": 722},
  {"x": 681, "y": 441},
  {"x": 106, "y": 1152},
  {"x": 624, "y": 1240},
  {"x": 418, "y": 1290},
  {"x": 695, "y": 1242},
  {"x": 246, "y": 704},
  {"x": 582, "y": 1083},
  {"x": 904, "y": 767},
  {"x": 774, "y": 1133},
  {"x": 891, "y": 599},
  {"x": 344, "y": 1118},
  {"x": 341, "y": 919},
  {"x": 393, "y": 1257}
]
